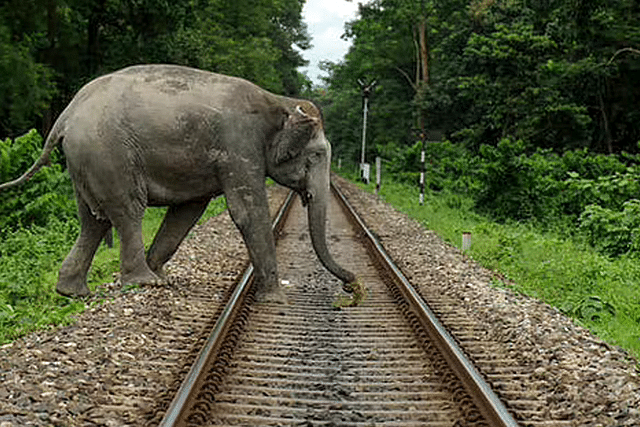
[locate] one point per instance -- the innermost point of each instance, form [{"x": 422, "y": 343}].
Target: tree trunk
[
  {"x": 424, "y": 50},
  {"x": 93, "y": 38},
  {"x": 50, "y": 58}
]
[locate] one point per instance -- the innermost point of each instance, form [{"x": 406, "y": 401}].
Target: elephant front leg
[{"x": 249, "y": 210}]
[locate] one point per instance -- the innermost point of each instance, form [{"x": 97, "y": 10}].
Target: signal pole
[{"x": 366, "y": 92}]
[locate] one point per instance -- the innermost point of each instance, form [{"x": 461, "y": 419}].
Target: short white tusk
[{"x": 299, "y": 110}]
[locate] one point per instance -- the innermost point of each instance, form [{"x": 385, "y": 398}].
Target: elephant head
[{"x": 299, "y": 157}]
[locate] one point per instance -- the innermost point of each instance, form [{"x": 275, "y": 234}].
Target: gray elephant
[{"x": 164, "y": 135}]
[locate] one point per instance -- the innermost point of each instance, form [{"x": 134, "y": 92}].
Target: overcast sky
[{"x": 325, "y": 20}]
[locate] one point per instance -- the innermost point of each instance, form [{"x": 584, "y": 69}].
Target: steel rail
[
  {"x": 174, "y": 415},
  {"x": 487, "y": 401}
]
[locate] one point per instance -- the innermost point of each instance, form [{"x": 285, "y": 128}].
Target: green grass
[
  {"x": 107, "y": 260},
  {"x": 29, "y": 263},
  {"x": 599, "y": 293}
]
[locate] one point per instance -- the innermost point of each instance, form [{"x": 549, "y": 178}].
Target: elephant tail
[{"x": 53, "y": 140}]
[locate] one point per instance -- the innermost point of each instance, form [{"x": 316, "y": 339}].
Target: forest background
[
  {"x": 529, "y": 111},
  {"x": 529, "y": 107}
]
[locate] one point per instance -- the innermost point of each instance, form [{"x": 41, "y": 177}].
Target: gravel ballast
[
  {"x": 123, "y": 355},
  {"x": 582, "y": 379}
]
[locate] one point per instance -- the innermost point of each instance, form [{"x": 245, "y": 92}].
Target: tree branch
[
  {"x": 626, "y": 49},
  {"x": 408, "y": 77}
]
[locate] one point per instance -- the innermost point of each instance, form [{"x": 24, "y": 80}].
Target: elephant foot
[
  {"x": 72, "y": 288},
  {"x": 143, "y": 278},
  {"x": 162, "y": 275},
  {"x": 348, "y": 287},
  {"x": 275, "y": 295}
]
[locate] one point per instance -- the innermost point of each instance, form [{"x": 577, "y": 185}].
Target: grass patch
[
  {"x": 107, "y": 260},
  {"x": 29, "y": 263},
  {"x": 358, "y": 294},
  {"x": 600, "y": 293}
]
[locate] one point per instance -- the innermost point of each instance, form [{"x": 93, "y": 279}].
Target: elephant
[{"x": 168, "y": 135}]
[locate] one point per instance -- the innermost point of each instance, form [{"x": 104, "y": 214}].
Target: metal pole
[
  {"x": 378, "y": 174},
  {"x": 422, "y": 172},
  {"x": 364, "y": 130},
  {"x": 366, "y": 91}
]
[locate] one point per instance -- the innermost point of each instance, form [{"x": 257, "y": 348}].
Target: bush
[
  {"x": 449, "y": 167},
  {"x": 49, "y": 194},
  {"x": 548, "y": 188},
  {"x": 611, "y": 232},
  {"x": 26, "y": 87},
  {"x": 607, "y": 191},
  {"x": 576, "y": 192},
  {"x": 517, "y": 186}
]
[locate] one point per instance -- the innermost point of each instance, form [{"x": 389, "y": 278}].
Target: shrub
[
  {"x": 608, "y": 191},
  {"x": 611, "y": 232},
  {"x": 449, "y": 167},
  {"x": 548, "y": 188},
  {"x": 49, "y": 194},
  {"x": 517, "y": 186}
]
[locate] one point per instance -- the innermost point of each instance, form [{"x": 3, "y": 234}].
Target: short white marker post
[
  {"x": 378, "y": 174},
  {"x": 466, "y": 241},
  {"x": 366, "y": 172},
  {"x": 422, "y": 176}
]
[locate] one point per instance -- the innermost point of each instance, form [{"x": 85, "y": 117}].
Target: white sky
[{"x": 325, "y": 20}]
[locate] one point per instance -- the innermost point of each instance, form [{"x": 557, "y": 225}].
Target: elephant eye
[{"x": 314, "y": 158}]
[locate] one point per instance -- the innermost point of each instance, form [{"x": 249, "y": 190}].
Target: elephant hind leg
[
  {"x": 175, "y": 226},
  {"x": 133, "y": 265},
  {"x": 72, "y": 279}
]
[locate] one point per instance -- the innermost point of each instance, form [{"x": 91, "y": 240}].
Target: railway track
[
  {"x": 123, "y": 360},
  {"x": 387, "y": 361}
]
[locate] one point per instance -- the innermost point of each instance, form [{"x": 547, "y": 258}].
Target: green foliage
[
  {"x": 549, "y": 74},
  {"x": 609, "y": 191},
  {"x": 543, "y": 186},
  {"x": 587, "y": 196},
  {"x": 597, "y": 291},
  {"x": 612, "y": 232},
  {"x": 25, "y": 87},
  {"x": 248, "y": 39},
  {"x": 589, "y": 308},
  {"x": 28, "y": 258},
  {"x": 514, "y": 185},
  {"x": 48, "y": 195},
  {"x": 448, "y": 167},
  {"x": 49, "y": 49}
]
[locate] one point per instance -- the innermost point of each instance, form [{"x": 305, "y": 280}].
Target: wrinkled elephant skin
[{"x": 162, "y": 135}]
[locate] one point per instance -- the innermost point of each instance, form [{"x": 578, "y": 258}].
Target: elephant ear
[{"x": 298, "y": 127}]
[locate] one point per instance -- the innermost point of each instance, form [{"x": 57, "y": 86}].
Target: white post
[
  {"x": 466, "y": 241},
  {"x": 364, "y": 130},
  {"x": 378, "y": 173},
  {"x": 366, "y": 172},
  {"x": 422, "y": 175}
]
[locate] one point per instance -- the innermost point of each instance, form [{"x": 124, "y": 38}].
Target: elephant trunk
[{"x": 318, "y": 192}]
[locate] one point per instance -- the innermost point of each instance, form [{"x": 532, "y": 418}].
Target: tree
[
  {"x": 59, "y": 45},
  {"x": 538, "y": 71},
  {"x": 382, "y": 49},
  {"x": 248, "y": 39},
  {"x": 25, "y": 89}
]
